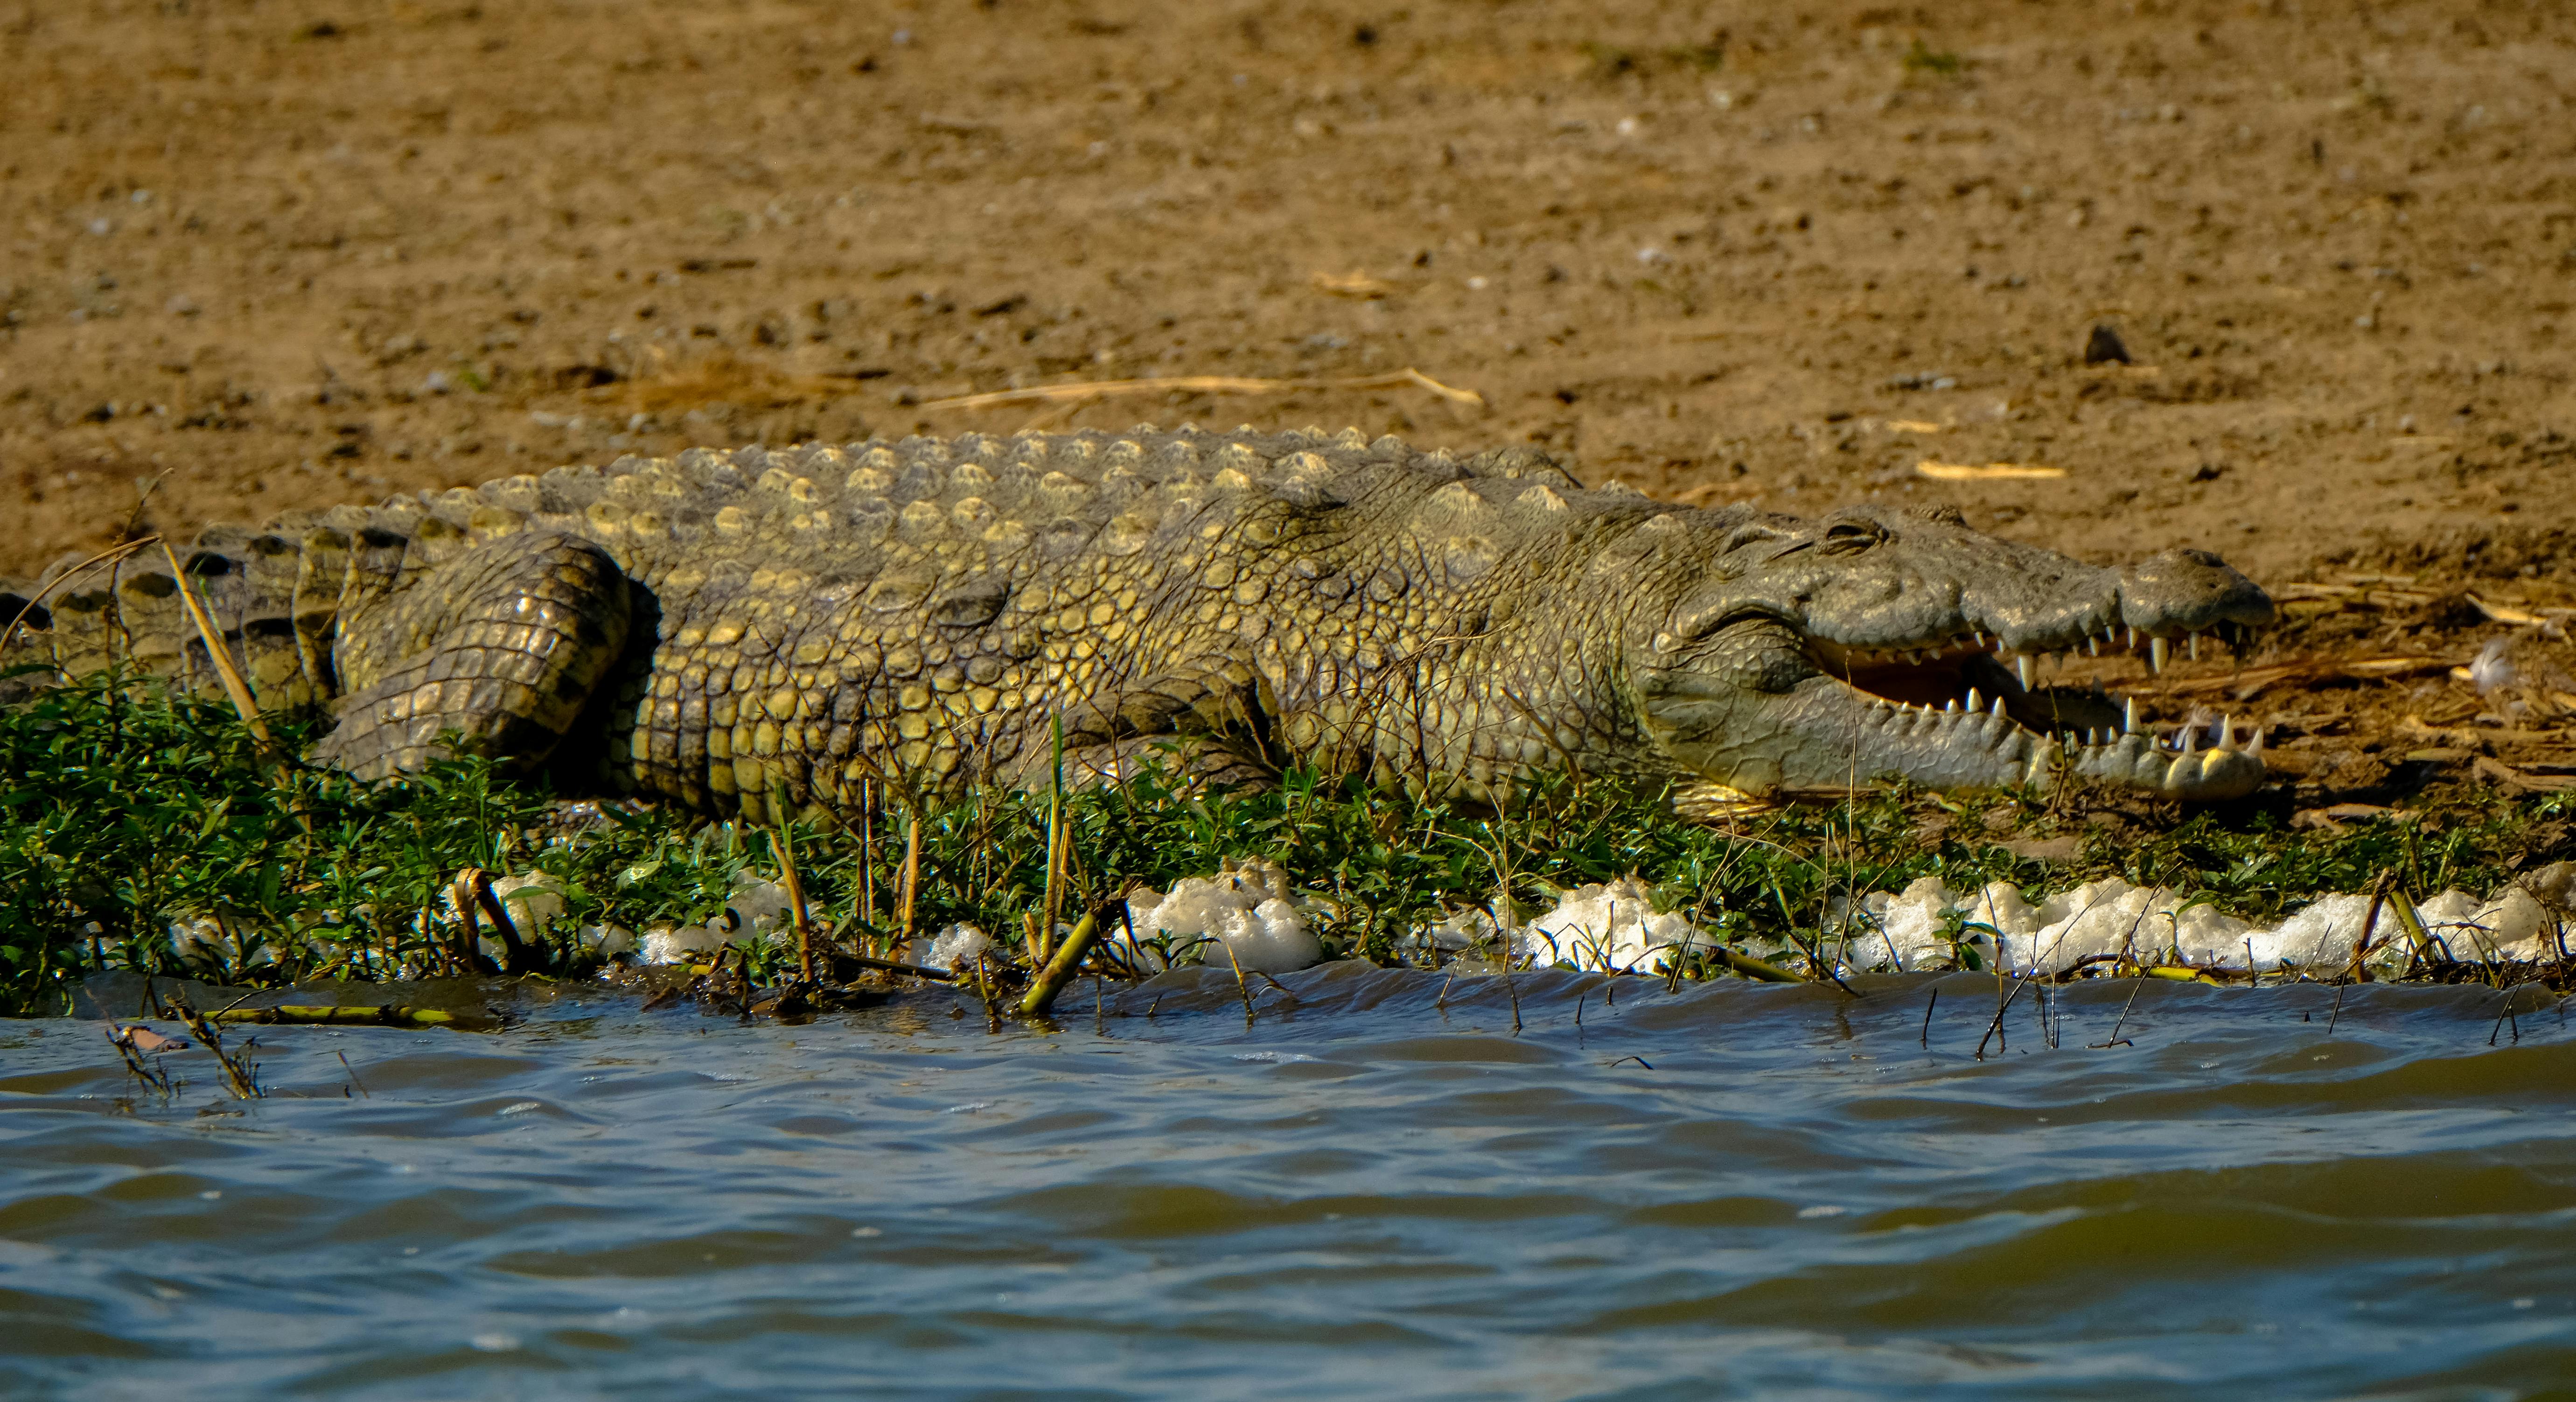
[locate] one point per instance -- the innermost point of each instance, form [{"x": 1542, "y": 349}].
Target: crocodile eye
[{"x": 1851, "y": 537}]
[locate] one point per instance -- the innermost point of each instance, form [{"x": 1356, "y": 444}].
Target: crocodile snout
[{"x": 2189, "y": 591}]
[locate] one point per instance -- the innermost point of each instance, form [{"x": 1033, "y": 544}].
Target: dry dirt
[{"x": 280, "y": 254}]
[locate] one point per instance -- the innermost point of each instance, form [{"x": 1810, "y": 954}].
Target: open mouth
[{"x": 1972, "y": 675}]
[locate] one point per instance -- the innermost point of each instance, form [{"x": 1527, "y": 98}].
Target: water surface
[{"x": 1377, "y": 1189}]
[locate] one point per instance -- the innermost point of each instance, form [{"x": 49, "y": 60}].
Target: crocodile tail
[
  {"x": 127, "y": 611},
  {"x": 26, "y": 648},
  {"x": 22, "y": 612},
  {"x": 247, "y": 580}
]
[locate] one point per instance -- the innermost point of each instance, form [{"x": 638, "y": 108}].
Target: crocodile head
[{"x": 1869, "y": 642}]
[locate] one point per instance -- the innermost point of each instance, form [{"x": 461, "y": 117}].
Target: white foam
[
  {"x": 680, "y": 944},
  {"x": 533, "y": 902},
  {"x": 1246, "y": 911},
  {"x": 1926, "y": 926},
  {"x": 1610, "y": 926},
  {"x": 957, "y": 946},
  {"x": 757, "y": 912}
]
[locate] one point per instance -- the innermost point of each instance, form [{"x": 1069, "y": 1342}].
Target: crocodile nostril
[{"x": 1848, "y": 537}]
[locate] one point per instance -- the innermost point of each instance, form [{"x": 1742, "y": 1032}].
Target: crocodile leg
[
  {"x": 500, "y": 644},
  {"x": 1191, "y": 762}
]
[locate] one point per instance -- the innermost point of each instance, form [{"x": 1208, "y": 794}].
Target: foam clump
[
  {"x": 1928, "y": 925},
  {"x": 203, "y": 944},
  {"x": 1913, "y": 928},
  {"x": 532, "y": 901},
  {"x": 1243, "y": 915},
  {"x": 957, "y": 946},
  {"x": 1610, "y": 926},
  {"x": 757, "y": 912},
  {"x": 2523, "y": 922}
]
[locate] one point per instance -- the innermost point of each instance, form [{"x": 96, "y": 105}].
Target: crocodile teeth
[
  {"x": 1953, "y": 707},
  {"x": 2254, "y": 746},
  {"x": 2093, "y": 646},
  {"x": 2190, "y": 739},
  {"x": 1975, "y": 701},
  {"x": 2158, "y": 651},
  {"x": 2021, "y": 668},
  {"x": 2227, "y": 732},
  {"x": 2129, "y": 720},
  {"x": 1999, "y": 707},
  {"x": 2193, "y": 643}
]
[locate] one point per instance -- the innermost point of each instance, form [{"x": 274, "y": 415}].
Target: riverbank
[{"x": 156, "y": 835}]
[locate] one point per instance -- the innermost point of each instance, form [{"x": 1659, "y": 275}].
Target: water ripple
[{"x": 1375, "y": 1188}]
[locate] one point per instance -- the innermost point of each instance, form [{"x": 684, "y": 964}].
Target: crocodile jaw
[{"x": 1758, "y": 714}]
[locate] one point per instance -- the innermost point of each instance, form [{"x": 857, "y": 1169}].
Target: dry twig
[{"x": 1985, "y": 472}]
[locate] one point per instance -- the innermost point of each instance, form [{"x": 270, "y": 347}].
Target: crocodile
[{"x": 767, "y": 633}]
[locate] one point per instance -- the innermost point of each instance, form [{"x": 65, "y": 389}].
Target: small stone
[{"x": 2104, "y": 346}]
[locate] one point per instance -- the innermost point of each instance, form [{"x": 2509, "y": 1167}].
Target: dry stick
[
  {"x": 984, "y": 990},
  {"x": 353, "y": 1075},
  {"x": 2413, "y": 927},
  {"x": 910, "y": 885},
  {"x": 2116, "y": 1039},
  {"x": 473, "y": 888},
  {"x": 897, "y": 966},
  {"x": 1997, "y": 1026},
  {"x": 795, "y": 902},
  {"x": 1060, "y": 970},
  {"x": 1753, "y": 968},
  {"x": 153, "y": 1076},
  {"x": 1198, "y": 384},
  {"x": 1240, "y": 986},
  {"x": 2502, "y": 1013},
  {"x": 1044, "y": 935},
  {"x": 1815, "y": 960},
  {"x": 2369, "y": 928},
  {"x": 243, "y": 1081},
  {"x": 2338, "y": 1008},
  {"x": 868, "y": 854},
  {"x": 219, "y": 655},
  {"x": 1927, "y": 1018}
]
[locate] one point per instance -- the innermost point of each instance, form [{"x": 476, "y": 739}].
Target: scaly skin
[{"x": 762, "y": 632}]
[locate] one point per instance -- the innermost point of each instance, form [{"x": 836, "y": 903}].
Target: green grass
[{"x": 124, "y": 812}]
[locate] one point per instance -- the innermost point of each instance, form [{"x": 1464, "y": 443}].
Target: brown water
[{"x": 1732, "y": 1190}]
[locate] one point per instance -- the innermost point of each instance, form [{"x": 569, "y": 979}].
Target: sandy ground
[{"x": 279, "y": 254}]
